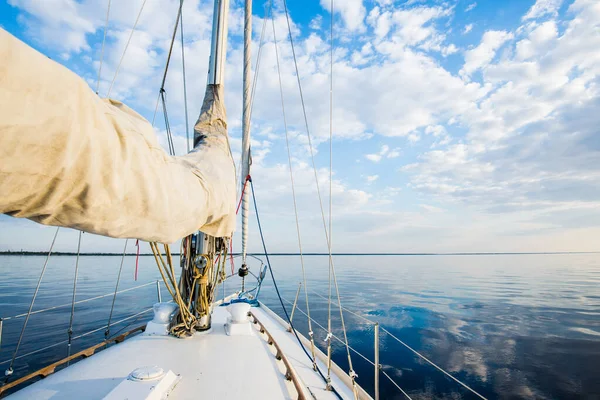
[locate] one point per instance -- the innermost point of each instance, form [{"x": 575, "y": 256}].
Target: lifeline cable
[{"x": 262, "y": 238}]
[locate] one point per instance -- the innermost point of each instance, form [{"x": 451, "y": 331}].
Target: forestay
[{"x": 72, "y": 159}]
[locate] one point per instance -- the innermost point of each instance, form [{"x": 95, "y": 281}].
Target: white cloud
[
  {"x": 316, "y": 22},
  {"x": 470, "y": 7},
  {"x": 385, "y": 152},
  {"x": 374, "y": 157},
  {"x": 513, "y": 150},
  {"x": 372, "y": 178},
  {"x": 430, "y": 208},
  {"x": 468, "y": 28},
  {"x": 483, "y": 54},
  {"x": 529, "y": 155},
  {"x": 542, "y": 8},
  {"x": 353, "y": 13}
]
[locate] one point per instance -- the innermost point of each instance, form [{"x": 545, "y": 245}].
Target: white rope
[
  {"x": 125, "y": 50},
  {"x": 320, "y": 197},
  {"x": 102, "y": 51},
  {"x": 287, "y": 142}
]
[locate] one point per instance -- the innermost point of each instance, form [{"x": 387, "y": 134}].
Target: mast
[
  {"x": 218, "y": 48},
  {"x": 201, "y": 248},
  {"x": 246, "y": 158}
]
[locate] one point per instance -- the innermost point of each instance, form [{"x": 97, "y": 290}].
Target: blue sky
[{"x": 458, "y": 125}]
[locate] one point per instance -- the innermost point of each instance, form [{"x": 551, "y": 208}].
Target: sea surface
[{"x": 509, "y": 326}]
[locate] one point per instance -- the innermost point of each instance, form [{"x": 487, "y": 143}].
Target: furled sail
[{"x": 69, "y": 158}]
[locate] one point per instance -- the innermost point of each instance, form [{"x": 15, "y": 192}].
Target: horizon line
[{"x": 479, "y": 253}]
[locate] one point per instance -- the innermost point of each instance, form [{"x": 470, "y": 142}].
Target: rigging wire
[
  {"x": 185, "y": 102},
  {"x": 112, "y": 307},
  {"x": 258, "y": 56},
  {"x": 102, "y": 51},
  {"x": 262, "y": 238},
  {"x": 78, "y": 302},
  {"x": 434, "y": 365},
  {"x": 79, "y": 336},
  {"x": 9, "y": 370},
  {"x": 287, "y": 142},
  {"x": 162, "y": 92},
  {"x": 353, "y": 349},
  {"x": 125, "y": 50},
  {"x": 351, "y": 372},
  {"x": 70, "y": 330},
  {"x": 405, "y": 345},
  {"x": 163, "y": 97},
  {"x": 156, "y": 108},
  {"x": 329, "y": 333}
]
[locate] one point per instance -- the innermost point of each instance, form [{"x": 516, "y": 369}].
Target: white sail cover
[{"x": 69, "y": 158}]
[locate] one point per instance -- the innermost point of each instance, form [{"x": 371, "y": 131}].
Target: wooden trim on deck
[
  {"x": 50, "y": 369},
  {"x": 290, "y": 371}
]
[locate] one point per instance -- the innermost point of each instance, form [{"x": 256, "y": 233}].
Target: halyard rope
[
  {"x": 262, "y": 238},
  {"x": 351, "y": 371},
  {"x": 329, "y": 352},
  {"x": 287, "y": 142}
]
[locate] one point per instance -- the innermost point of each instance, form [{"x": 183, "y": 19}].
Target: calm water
[{"x": 522, "y": 326}]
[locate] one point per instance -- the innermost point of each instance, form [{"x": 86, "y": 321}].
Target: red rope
[{"x": 242, "y": 196}]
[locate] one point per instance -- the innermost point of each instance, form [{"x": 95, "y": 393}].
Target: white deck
[{"x": 211, "y": 366}]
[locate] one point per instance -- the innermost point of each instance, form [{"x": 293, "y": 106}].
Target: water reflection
[{"x": 509, "y": 326}]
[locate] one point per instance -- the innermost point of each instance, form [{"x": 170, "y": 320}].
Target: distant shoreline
[{"x": 43, "y": 253}]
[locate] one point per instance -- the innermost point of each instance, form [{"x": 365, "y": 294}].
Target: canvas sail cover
[{"x": 69, "y": 158}]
